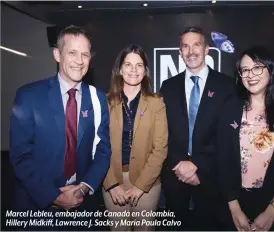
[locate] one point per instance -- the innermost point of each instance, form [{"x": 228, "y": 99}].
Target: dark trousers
[{"x": 203, "y": 217}]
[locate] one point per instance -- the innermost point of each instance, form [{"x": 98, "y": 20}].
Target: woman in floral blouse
[{"x": 246, "y": 144}]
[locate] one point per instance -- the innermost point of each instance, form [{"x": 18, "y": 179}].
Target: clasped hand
[
  {"x": 123, "y": 197},
  {"x": 186, "y": 172},
  {"x": 263, "y": 222},
  {"x": 71, "y": 197}
]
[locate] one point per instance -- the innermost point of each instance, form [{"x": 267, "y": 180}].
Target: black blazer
[
  {"x": 229, "y": 156},
  {"x": 204, "y": 135}
]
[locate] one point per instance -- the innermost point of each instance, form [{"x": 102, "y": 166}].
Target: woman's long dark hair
[
  {"x": 117, "y": 82},
  {"x": 263, "y": 56}
]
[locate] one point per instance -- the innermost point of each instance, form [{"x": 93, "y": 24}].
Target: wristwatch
[{"x": 82, "y": 192}]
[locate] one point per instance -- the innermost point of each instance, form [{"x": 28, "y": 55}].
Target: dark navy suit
[{"x": 37, "y": 143}]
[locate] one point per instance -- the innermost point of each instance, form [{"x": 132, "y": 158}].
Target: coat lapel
[
  {"x": 207, "y": 103},
  {"x": 119, "y": 114},
  {"x": 182, "y": 97},
  {"x": 140, "y": 112},
  {"x": 56, "y": 104},
  {"x": 183, "y": 120},
  {"x": 236, "y": 120},
  {"x": 86, "y": 113}
]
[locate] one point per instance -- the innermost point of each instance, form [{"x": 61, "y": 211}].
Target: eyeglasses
[{"x": 256, "y": 70}]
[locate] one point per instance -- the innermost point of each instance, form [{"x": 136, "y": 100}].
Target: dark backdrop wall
[{"x": 111, "y": 31}]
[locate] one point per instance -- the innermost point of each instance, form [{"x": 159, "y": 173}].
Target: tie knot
[
  {"x": 195, "y": 79},
  {"x": 72, "y": 92}
]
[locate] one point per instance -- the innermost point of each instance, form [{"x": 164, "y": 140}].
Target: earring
[
  {"x": 147, "y": 72},
  {"x": 236, "y": 81}
]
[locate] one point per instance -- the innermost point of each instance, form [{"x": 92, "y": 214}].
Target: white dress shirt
[
  {"x": 189, "y": 83},
  {"x": 65, "y": 87}
]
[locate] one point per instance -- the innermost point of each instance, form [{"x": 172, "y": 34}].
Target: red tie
[{"x": 71, "y": 134}]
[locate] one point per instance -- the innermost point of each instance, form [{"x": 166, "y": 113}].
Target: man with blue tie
[
  {"x": 193, "y": 101},
  {"x": 59, "y": 132}
]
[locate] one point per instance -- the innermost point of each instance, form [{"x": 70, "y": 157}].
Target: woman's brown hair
[{"x": 117, "y": 82}]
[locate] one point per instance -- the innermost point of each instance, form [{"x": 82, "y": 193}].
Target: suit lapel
[
  {"x": 56, "y": 104},
  {"x": 119, "y": 114},
  {"x": 179, "y": 106},
  {"x": 207, "y": 103},
  {"x": 182, "y": 96},
  {"x": 85, "y": 115},
  {"x": 235, "y": 125},
  {"x": 140, "y": 112}
]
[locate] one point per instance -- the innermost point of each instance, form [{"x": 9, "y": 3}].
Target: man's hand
[
  {"x": 83, "y": 190},
  {"x": 77, "y": 193},
  {"x": 184, "y": 170},
  {"x": 67, "y": 187},
  {"x": 264, "y": 221},
  {"x": 118, "y": 195},
  {"x": 134, "y": 195},
  {"x": 67, "y": 200},
  {"x": 194, "y": 180}
]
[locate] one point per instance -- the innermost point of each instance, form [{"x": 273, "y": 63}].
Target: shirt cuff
[{"x": 91, "y": 191}]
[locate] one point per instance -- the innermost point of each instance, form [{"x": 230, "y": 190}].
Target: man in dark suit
[
  {"x": 59, "y": 133},
  {"x": 193, "y": 100}
]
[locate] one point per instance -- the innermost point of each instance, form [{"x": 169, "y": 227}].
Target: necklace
[{"x": 130, "y": 124}]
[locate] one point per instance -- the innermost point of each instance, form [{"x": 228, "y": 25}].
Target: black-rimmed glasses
[{"x": 256, "y": 70}]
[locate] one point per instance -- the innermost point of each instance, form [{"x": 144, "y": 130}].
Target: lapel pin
[
  {"x": 85, "y": 114},
  {"x": 210, "y": 94},
  {"x": 234, "y": 125}
]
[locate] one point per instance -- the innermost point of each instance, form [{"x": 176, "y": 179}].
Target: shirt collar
[
  {"x": 202, "y": 74},
  {"x": 65, "y": 87},
  {"x": 137, "y": 97}
]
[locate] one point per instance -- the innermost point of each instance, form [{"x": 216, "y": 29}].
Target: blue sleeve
[
  {"x": 100, "y": 164},
  {"x": 22, "y": 126}
]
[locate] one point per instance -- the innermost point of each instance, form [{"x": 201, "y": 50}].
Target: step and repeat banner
[
  {"x": 168, "y": 63},
  {"x": 228, "y": 34}
]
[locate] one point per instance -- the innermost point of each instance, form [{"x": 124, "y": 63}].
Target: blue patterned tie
[{"x": 193, "y": 109}]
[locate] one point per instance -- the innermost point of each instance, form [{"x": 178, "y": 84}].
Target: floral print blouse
[{"x": 257, "y": 146}]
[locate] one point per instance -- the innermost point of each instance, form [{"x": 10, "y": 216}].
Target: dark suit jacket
[
  {"x": 37, "y": 143},
  {"x": 229, "y": 153},
  {"x": 204, "y": 135}
]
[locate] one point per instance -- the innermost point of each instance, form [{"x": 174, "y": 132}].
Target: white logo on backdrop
[{"x": 167, "y": 64}]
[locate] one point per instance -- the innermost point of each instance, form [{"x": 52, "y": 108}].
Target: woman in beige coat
[{"x": 139, "y": 134}]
